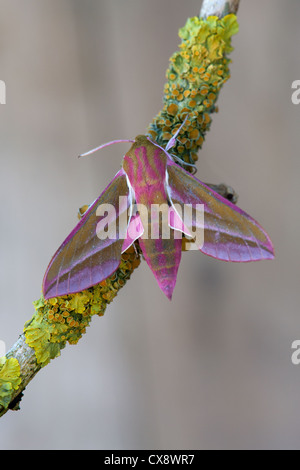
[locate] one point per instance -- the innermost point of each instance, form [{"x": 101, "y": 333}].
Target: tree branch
[
  {"x": 26, "y": 358},
  {"x": 62, "y": 320},
  {"x": 218, "y": 8}
]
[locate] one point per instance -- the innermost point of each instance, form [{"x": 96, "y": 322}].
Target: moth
[{"x": 123, "y": 213}]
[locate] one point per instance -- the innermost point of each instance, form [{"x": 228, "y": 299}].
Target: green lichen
[
  {"x": 10, "y": 379},
  {"x": 195, "y": 76},
  {"x": 63, "y": 320}
]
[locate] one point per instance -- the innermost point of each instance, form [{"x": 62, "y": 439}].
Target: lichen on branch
[
  {"x": 195, "y": 76},
  {"x": 10, "y": 379},
  {"x": 63, "y": 320}
]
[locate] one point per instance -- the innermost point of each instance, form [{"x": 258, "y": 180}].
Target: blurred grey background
[{"x": 212, "y": 369}]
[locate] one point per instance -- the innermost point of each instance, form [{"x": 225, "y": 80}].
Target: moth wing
[
  {"x": 229, "y": 233},
  {"x": 87, "y": 257}
]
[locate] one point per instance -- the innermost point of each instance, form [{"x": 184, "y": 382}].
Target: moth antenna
[
  {"x": 172, "y": 141},
  {"x": 105, "y": 145}
]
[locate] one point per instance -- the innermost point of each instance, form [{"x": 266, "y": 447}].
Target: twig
[
  {"x": 218, "y": 8},
  {"x": 26, "y": 358}
]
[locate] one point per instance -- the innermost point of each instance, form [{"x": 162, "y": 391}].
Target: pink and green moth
[{"x": 149, "y": 176}]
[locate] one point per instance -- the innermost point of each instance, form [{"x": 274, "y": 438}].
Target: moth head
[{"x": 141, "y": 140}]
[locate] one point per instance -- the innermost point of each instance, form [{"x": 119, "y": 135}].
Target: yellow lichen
[
  {"x": 196, "y": 74},
  {"x": 10, "y": 379},
  {"x": 172, "y": 109},
  {"x": 65, "y": 319}
]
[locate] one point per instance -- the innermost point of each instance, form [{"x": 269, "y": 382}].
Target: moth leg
[
  {"x": 226, "y": 191},
  {"x": 82, "y": 210},
  {"x": 183, "y": 163},
  {"x": 137, "y": 249}
]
